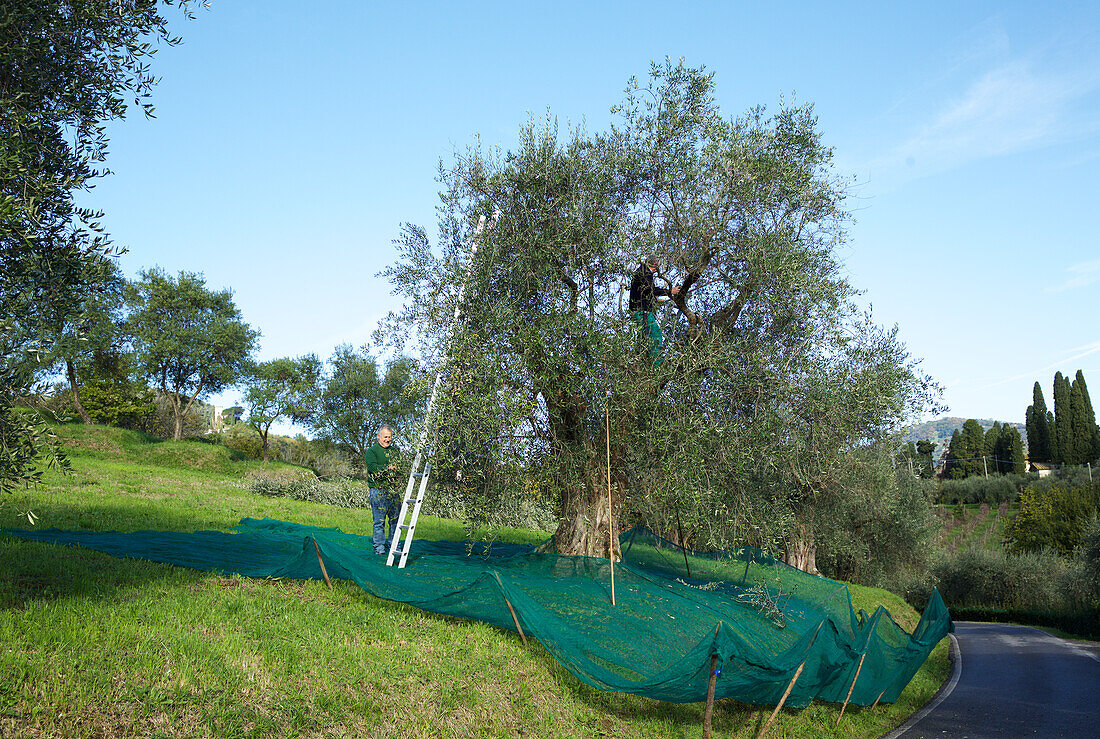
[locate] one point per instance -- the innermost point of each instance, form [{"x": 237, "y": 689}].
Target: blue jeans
[{"x": 383, "y": 504}]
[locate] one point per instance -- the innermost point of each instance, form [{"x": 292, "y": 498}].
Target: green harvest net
[{"x": 760, "y": 617}]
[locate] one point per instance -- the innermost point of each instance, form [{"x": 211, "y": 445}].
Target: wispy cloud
[
  {"x": 1014, "y": 107},
  {"x": 1082, "y": 274},
  {"x": 1078, "y": 352},
  {"x": 1010, "y": 109}
]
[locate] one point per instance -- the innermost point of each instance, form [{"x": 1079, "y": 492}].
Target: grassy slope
[{"x": 99, "y": 646}]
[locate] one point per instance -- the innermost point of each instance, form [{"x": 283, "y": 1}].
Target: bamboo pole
[
  {"x": 710, "y": 688},
  {"x": 683, "y": 545},
  {"x": 511, "y": 610},
  {"x": 880, "y": 696},
  {"x": 322, "y": 563},
  {"x": 610, "y": 517},
  {"x": 782, "y": 700},
  {"x": 851, "y": 688}
]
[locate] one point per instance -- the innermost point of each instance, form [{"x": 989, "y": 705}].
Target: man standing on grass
[
  {"x": 382, "y": 460},
  {"x": 643, "y": 305}
]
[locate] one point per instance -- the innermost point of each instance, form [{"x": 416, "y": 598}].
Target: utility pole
[{"x": 985, "y": 466}]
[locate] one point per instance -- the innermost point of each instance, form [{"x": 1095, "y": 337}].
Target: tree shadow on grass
[
  {"x": 135, "y": 515},
  {"x": 32, "y": 570},
  {"x": 35, "y": 571}
]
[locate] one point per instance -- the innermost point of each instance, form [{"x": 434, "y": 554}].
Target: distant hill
[{"x": 940, "y": 430}]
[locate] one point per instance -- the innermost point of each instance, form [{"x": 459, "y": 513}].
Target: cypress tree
[
  {"x": 949, "y": 461},
  {"x": 1011, "y": 451},
  {"x": 970, "y": 450},
  {"x": 990, "y": 446},
  {"x": 1080, "y": 427},
  {"x": 1091, "y": 449},
  {"x": 1038, "y": 428},
  {"x": 925, "y": 447},
  {"x": 1062, "y": 438}
]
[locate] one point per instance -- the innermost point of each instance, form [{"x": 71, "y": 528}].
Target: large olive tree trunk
[
  {"x": 802, "y": 549},
  {"x": 589, "y": 525}
]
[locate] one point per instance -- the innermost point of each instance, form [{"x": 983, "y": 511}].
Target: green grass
[{"x": 93, "y": 645}]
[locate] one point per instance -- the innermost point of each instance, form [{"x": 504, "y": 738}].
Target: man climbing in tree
[{"x": 643, "y": 303}]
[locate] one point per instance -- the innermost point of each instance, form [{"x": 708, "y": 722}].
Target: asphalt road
[{"x": 1013, "y": 681}]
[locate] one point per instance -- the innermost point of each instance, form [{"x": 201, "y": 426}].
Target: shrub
[
  {"x": 160, "y": 422},
  {"x": 342, "y": 492},
  {"x": 996, "y": 579},
  {"x": 444, "y": 501},
  {"x": 1052, "y": 515},
  {"x": 323, "y": 457},
  {"x": 123, "y": 405},
  {"x": 994, "y": 490},
  {"x": 1087, "y": 557},
  {"x": 241, "y": 438}
]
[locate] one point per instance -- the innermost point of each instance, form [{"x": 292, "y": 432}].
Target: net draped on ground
[{"x": 762, "y": 618}]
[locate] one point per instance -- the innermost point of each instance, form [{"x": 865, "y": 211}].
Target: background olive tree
[
  {"x": 189, "y": 341},
  {"x": 772, "y": 382},
  {"x": 280, "y": 388},
  {"x": 356, "y": 396}
]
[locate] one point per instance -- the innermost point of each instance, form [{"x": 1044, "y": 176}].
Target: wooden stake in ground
[
  {"x": 782, "y": 700},
  {"x": 610, "y": 518},
  {"x": 710, "y": 688},
  {"x": 851, "y": 688},
  {"x": 880, "y": 697},
  {"x": 511, "y": 610},
  {"x": 322, "y": 563},
  {"x": 683, "y": 544}
]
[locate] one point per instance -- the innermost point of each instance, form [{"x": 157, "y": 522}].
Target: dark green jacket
[{"x": 378, "y": 458}]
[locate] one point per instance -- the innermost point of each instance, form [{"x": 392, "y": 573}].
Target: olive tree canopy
[
  {"x": 189, "y": 341},
  {"x": 65, "y": 69},
  {"x": 770, "y": 378}
]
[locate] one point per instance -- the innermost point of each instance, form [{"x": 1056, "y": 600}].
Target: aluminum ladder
[{"x": 422, "y": 463}]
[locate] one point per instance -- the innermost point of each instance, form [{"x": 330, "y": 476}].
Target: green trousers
[{"x": 647, "y": 322}]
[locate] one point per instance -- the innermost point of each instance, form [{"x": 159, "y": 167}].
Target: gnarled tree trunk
[
  {"x": 802, "y": 549},
  {"x": 589, "y": 523}
]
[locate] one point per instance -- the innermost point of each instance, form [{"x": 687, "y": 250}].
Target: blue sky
[{"x": 292, "y": 140}]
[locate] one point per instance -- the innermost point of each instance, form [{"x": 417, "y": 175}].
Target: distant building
[
  {"x": 940, "y": 467},
  {"x": 1043, "y": 468},
  {"x": 217, "y": 417}
]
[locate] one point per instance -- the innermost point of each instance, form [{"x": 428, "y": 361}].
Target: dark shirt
[{"x": 643, "y": 292}]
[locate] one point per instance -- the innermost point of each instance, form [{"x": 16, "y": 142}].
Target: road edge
[{"x": 944, "y": 691}]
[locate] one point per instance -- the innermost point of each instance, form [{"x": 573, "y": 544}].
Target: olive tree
[
  {"x": 65, "y": 70},
  {"x": 356, "y": 397},
  {"x": 769, "y": 375},
  {"x": 94, "y": 330},
  {"x": 189, "y": 341},
  {"x": 280, "y": 388}
]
